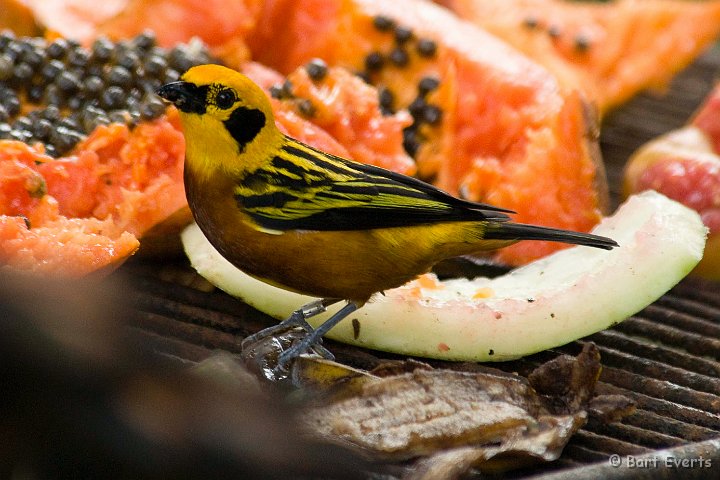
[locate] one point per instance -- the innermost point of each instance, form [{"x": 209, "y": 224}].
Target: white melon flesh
[{"x": 550, "y": 302}]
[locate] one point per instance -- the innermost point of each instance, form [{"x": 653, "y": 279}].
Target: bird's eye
[{"x": 225, "y": 98}]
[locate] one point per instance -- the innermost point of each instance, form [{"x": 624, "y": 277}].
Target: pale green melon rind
[{"x": 565, "y": 296}]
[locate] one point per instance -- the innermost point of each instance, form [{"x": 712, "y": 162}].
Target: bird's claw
[
  {"x": 270, "y": 355},
  {"x": 274, "y": 348},
  {"x": 302, "y": 347}
]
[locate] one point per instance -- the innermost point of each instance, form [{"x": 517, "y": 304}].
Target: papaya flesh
[
  {"x": 16, "y": 15},
  {"x": 613, "y": 50},
  {"x": 100, "y": 143},
  {"x": 85, "y": 211},
  {"x": 336, "y": 112},
  {"x": 77, "y": 19},
  {"x": 35, "y": 237},
  {"x": 507, "y": 131}
]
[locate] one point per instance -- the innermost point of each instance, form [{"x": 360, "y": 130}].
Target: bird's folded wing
[{"x": 304, "y": 189}]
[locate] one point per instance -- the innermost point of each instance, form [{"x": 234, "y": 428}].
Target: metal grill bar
[
  {"x": 692, "y": 342},
  {"x": 656, "y": 352},
  {"x": 659, "y": 370},
  {"x": 670, "y": 426},
  {"x": 605, "y": 444},
  {"x": 664, "y": 407},
  {"x": 636, "y": 435},
  {"x": 678, "y": 313}
]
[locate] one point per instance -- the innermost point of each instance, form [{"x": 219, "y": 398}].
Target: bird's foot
[
  {"x": 270, "y": 356},
  {"x": 272, "y": 350},
  {"x": 314, "y": 340},
  {"x": 298, "y": 319},
  {"x": 311, "y": 343}
]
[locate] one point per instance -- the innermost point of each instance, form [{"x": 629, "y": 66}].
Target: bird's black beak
[{"x": 186, "y": 96}]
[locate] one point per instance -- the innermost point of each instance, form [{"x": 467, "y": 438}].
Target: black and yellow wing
[{"x": 306, "y": 189}]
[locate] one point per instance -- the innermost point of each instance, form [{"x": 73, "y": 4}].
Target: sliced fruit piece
[
  {"x": 684, "y": 164},
  {"x": 614, "y": 49},
  {"x": 76, "y": 19},
  {"x": 489, "y": 122},
  {"x": 85, "y": 211},
  {"x": 34, "y": 237},
  {"x": 135, "y": 176},
  {"x": 67, "y": 247},
  {"x": 95, "y": 142},
  {"x": 550, "y": 302},
  {"x": 220, "y": 24}
]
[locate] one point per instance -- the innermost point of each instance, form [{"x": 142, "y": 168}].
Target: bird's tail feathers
[{"x": 519, "y": 231}]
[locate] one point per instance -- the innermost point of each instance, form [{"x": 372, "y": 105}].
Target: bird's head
[{"x": 227, "y": 119}]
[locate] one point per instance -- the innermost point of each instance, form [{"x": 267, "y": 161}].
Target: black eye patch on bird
[{"x": 244, "y": 124}]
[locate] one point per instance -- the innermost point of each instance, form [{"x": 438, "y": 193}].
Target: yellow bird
[{"x": 314, "y": 223}]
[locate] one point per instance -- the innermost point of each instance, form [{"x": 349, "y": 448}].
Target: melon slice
[{"x": 547, "y": 303}]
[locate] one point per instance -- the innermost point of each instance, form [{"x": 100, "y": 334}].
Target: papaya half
[
  {"x": 93, "y": 161},
  {"x": 612, "y": 49}
]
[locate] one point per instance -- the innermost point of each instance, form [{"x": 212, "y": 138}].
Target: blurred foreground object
[{"x": 82, "y": 399}]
